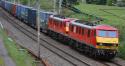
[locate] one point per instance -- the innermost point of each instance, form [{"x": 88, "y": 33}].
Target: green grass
[
  {"x": 117, "y": 21},
  {"x": 21, "y": 58},
  {"x": 95, "y": 10},
  {"x": 2, "y": 62},
  {"x": 120, "y": 12},
  {"x": 47, "y": 5},
  {"x": 122, "y": 51}
]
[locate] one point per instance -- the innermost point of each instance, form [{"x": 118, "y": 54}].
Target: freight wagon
[
  {"x": 32, "y": 17},
  {"x": 24, "y": 13},
  {"x": 18, "y": 11}
]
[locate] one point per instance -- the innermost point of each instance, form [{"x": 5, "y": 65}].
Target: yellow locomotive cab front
[{"x": 107, "y": 39}]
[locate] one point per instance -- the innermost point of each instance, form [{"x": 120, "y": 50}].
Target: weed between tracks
[{"x": 20, "y": 57}]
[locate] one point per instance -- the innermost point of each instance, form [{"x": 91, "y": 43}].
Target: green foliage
[
  {"x": 101, "y": 2},
  {"x": 122, "y": 50},
  {"x": 2, "y": 62},
  {"x": 47, "y": 5},
  {"x": 24, "y": 2},
  {"x": 111, "y": 2},
  {"x": 71, "y": 1},
  {"x": 98, "y": 2}
]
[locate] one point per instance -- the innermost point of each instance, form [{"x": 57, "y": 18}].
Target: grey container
[{"x": 44, "y": 16}]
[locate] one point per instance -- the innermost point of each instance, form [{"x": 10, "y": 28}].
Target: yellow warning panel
[{"x": 106, "y": 40}]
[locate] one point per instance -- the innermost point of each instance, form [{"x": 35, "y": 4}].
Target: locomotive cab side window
[
  {"x": 88, "y": 32},
  {"x": 71, "y": 28},
  {"x": 64, "y": 24},
  {"x": 79, "y": 30},
  {"x": 74, "y": 29},
  {"x": 94, "y": 33},
  {"x": 59, "y": 24},
  {"x": 82, "y": 31}
]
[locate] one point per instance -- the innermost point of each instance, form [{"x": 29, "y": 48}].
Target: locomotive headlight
[
  {"x": 115, "y": 44},
  {"x": 101, "y": 44}
]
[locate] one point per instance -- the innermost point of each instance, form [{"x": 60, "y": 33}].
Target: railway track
[{"x": 75, "y": 61}]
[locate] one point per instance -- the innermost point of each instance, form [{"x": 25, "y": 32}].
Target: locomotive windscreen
[{"x": 103, "y": 33}]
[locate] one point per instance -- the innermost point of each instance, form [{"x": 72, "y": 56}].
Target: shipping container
[
  {"x": 18, "y": 11},
  {"x": 24, "y": 13},
  {"x": 32, "y": 14},
  {"x": 2, "y": 4},
  {"x": 8, "y": 6},
  {"x": 44, "y": 19}
]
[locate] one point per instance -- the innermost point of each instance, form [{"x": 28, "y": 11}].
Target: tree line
[{"x": 97, "y": 2}]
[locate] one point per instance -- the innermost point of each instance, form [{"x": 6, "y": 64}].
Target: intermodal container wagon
[{"x": 32, "y": 14}]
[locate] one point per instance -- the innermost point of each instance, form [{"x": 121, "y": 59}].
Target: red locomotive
[{"x": 97, "y": 40}]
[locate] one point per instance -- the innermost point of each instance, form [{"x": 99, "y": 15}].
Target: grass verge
[
  {"x": 20, "y": 57},
  {"x": 122, "y": 50},
  {"x": 2, "y": 62}
]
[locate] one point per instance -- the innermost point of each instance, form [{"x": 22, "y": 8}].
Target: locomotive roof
[
  {"x": 81, "y": 25},
  {"x": 61, "y": 18},
  {"x": 92, "y": 26},
  {"x": 106, "y": 27}
]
